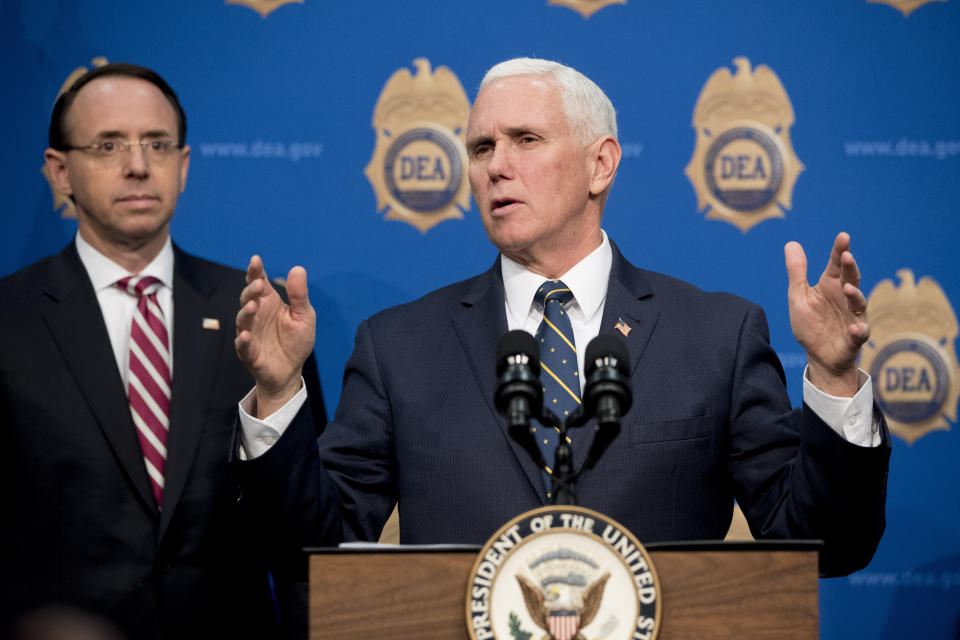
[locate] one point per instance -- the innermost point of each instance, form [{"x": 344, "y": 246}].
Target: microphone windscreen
[
  {"x": 606, "y": 346},
  {"x": 516, "y": 342}
]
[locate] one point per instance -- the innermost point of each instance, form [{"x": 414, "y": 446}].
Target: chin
[
  {"x": 144, "y": 232},
  {"x": 509, "y": 236},
  {"x": 513, "y": 250}
]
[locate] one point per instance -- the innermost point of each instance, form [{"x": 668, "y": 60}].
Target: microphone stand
[
  {"x": 606, "y": 397},
  {"x": 562, "y": 481}
]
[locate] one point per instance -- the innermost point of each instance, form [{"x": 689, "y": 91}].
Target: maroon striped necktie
[{"x": 149, "y": 383}]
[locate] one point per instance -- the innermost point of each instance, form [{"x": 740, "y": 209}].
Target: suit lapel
[
  {"x": 480, "y": 325},
  {"x": 627, "y": 303},
  {"x": 72, "y": 313},
  {"x": 195, "y": 361},
  {"x": 628, "y": 294}
]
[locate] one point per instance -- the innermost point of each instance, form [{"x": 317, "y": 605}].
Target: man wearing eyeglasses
[{"x": 118, "y": 388}]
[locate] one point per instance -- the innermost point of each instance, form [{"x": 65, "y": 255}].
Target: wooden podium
[{"x": 743, "y": 590}]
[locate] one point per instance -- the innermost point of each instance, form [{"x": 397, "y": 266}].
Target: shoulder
[
  {"x": 27, "y": 283},
  {"x": 691, "y": 296},
  {"x": 29, "y": 274},
  {"x": 441, "y": 304},
  {"x": 187, "y": 264},
  {"x": 208, "y": 279},
  {"x": 683, "y": 300}
]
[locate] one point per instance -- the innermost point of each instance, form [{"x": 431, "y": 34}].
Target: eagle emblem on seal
[{"x": 562, "y": 604}]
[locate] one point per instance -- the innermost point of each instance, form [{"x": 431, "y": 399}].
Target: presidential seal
[
  {"x": 61, "y": 201},
  {"x": 906, "y": 7},
  {"x": 563, "y": 573},
  {"x": 264, "y": 7},
  {"x": 418, "y": 168},
  {"x": 743, "y": 168},
  {"x": 911, "y": 355},
  {"x": 586, "y": 8}
]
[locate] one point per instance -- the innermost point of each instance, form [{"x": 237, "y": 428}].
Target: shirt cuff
[
  {"x": 257, "y": 436},
  {"x": 851, "y": 418}
]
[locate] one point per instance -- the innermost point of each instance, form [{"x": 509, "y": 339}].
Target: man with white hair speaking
[{"x": 711, "y": 420}]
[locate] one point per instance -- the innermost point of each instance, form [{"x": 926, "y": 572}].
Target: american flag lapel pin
[
  {"x": 622, "y": 327},
  {"x": 212, "y": 324}
]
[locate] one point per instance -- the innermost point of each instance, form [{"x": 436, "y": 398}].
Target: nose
[
  {"x": 500, "y": 162},
  {"x": 136, "y": 164}
]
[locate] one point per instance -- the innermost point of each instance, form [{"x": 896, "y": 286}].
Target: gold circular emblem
[{"x": 563, "y": 573}]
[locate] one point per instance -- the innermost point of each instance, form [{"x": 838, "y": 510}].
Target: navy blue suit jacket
[{"x": 711, "y": 421}]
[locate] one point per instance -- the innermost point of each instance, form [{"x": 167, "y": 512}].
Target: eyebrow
[
  {"x": 511, "y": 132},
  {"x": 478, "y": 140},
  {"x": 523, "y": 128},
  {"x": 154, "y": 133}
]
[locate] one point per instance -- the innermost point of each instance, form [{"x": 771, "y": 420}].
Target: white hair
[{"x": 589, "y": 112}]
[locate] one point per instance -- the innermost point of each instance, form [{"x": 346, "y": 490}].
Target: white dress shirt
[
  {"x": 851, "y": 418},
  {"x": 587, "y": 280},
  {"x": 117, "y": 306}
]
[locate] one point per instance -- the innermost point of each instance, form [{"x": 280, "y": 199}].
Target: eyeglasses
[{"x": 156, "y": 148}]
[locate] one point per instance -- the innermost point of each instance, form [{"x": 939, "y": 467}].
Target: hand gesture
[
  {"x": 829, "y": 320},
  {"x": 273, "y": 338}
]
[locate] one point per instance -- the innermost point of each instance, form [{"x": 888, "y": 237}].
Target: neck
[
  {"x": 553, "y": 262},
  {"x": 131, "y": 254}
]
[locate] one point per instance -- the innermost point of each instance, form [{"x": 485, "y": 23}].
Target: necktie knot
[
  {"x": 553, "y": 292},
  {"x": 140, "y": 286}
]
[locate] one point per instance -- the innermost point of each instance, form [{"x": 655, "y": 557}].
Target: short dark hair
[{"x": 58, "y": 132}]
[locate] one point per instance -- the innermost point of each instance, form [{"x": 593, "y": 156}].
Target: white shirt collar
[
  {"x": 104, "y": 272},
  {"x": 587, "y": 280}
]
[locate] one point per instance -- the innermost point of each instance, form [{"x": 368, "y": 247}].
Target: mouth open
[{"x": 501, "y": 204}]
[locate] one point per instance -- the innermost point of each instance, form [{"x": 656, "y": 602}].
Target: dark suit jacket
[
  {"x": 81, "y": 526},
  {"x": 711, "y": 421}
]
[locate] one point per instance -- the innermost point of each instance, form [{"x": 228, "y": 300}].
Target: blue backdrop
[{"x": 280, "y": 110}]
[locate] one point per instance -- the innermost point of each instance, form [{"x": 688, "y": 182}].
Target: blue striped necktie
[{"x": 559, "y": 374}]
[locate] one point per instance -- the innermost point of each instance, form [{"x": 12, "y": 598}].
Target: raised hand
[
  {"x": 274, "y": 338},
  {"x": 829, "y": 320}
]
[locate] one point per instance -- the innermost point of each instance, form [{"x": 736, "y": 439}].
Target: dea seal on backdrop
[
  {"x": 563, "y": 573},
  {"x": 264, "y": 7},
  {"x": 911, "y": 355},
  {"x": 906, "y": 7},
  {"x": 743, "y": 168},
  {"x": 62, "y": 202},
  {"x": 418, "y": 167},
  {"x": 586, "y": 8}
]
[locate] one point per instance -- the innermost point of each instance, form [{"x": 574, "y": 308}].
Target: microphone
[
  {"x": 606, "y": 394},
  {"x": 519, "y": 395}
]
